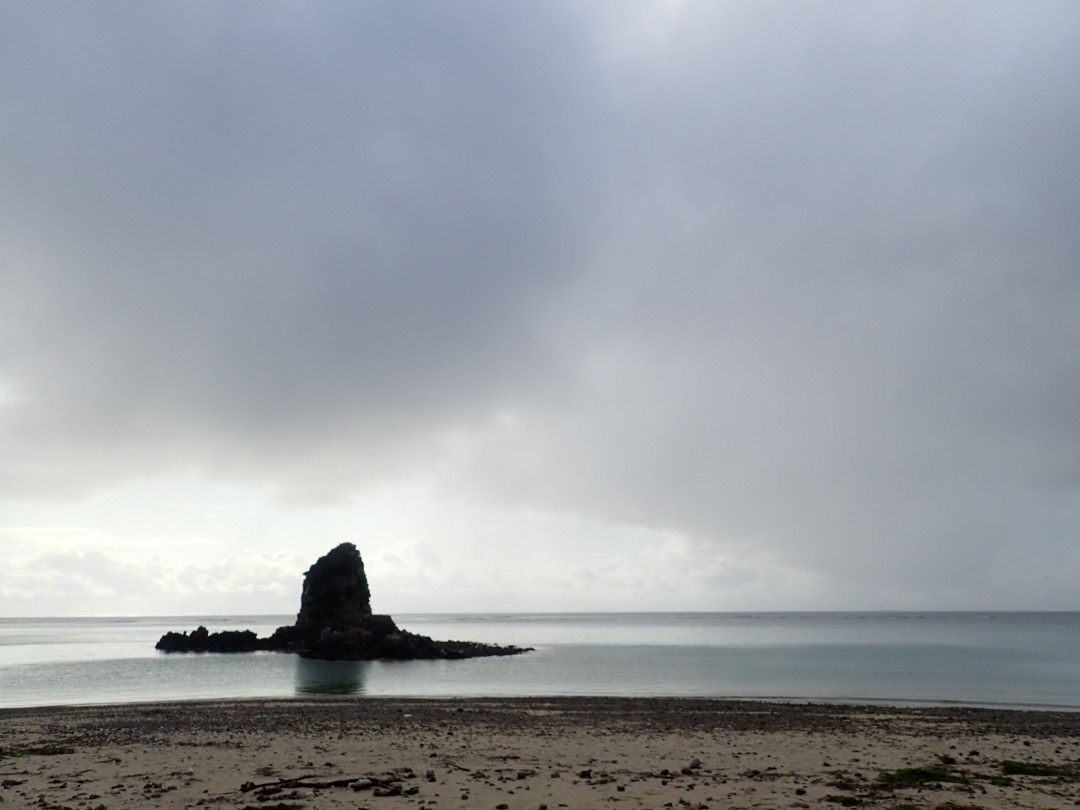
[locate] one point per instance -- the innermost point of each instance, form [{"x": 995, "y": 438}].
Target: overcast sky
[{"x": 546, "y": 306}]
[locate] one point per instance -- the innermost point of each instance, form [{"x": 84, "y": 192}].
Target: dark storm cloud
[
  {"x": 277, "y": 226},
  {"x": 782, "y": 278}
]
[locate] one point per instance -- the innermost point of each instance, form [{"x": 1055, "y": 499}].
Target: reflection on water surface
[{"x": 329, "y": 677}]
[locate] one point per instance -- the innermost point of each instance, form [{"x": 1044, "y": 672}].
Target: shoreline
[
  {"x": 533, "y": 752},
  {"x": 678, "y": 711},
  {"x": 855, "y": 703}
]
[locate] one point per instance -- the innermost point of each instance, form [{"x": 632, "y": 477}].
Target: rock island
[{"x": 335, "y": 623}]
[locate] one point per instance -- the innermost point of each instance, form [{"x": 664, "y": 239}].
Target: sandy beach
[{"x": 534, "y": 754}]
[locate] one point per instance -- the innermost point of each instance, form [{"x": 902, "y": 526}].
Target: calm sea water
[{"x": 1027, "y": 660}]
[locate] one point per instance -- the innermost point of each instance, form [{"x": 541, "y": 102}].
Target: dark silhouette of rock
[
  {"x": 336, "y": 593},
  {"x": 335, "y": 623},
  {"x": 202, "y": 640},
  {"x": 382, "y": 625}
]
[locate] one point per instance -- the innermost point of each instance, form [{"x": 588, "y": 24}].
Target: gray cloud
[
  {"x": 96, "y": 583},
  {"x": 794, "y": 280},
  {"x": 298, "y": 234}
]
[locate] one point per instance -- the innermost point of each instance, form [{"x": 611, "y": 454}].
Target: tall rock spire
[{"x": 336, "y": 593}]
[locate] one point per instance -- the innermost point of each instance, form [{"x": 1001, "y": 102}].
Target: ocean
[{"x": 1018, "y": 660}]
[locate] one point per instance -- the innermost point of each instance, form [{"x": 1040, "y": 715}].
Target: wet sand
[{"x": 533, "y": 753}]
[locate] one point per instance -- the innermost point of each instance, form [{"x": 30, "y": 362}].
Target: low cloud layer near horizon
[{"x": 603, "y": 306}]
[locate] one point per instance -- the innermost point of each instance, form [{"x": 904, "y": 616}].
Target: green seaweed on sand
[
  {"x": 919, "y": 776},
  {"x": 45, "y": 750},
  {"x": 1011, "y": 767}
]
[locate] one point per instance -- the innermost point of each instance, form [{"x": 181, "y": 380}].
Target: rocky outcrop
[
  {"x": 335, "y": 591},
  {"x": 202, "y": 640},
  {"x": 335, "y": 623}
]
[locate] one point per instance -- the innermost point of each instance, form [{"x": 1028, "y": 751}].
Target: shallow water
[{"x": 1008, "y": 659}]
